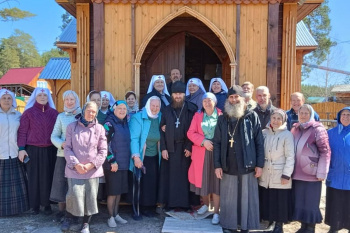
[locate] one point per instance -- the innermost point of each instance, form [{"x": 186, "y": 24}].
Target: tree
[
  {"x": 45, "y": 57},
  {"x": 13, "y": 13},
  {"x": 319, "y": 24},
  {"x": 18, "y": 47},
  {"x": 66, "y": 18}
]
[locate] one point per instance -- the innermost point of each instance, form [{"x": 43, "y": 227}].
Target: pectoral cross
[
  {"x": 177, "y": 122},
  {"x": 231, "y": 141}
]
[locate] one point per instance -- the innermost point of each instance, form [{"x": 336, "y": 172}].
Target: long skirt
[
  {"x": 239, "y": 202},
  {"x": 82, "y": 196},
  {"x": 210, "y": 183},
  {"x": 306, "y": 201},
  {"x": 59, "y": 187},
  {"x": 337, "y": 208},
  {"x": 116, "y": 182},
  {"x": 40, "y": 170},
  {"x": 13, "y": 187},
  {"x": 275, "y": 204},
  {"x": 174, "y": 187}
]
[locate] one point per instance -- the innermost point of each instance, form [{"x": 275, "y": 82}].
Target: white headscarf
[
  {"x": 197, "y": 82},
  {"x": 7, "y": 92},
  {"x": 155, "y": 78},
  {"x": 35, "y": 93},
  {"x": 77, "y": 101},
  {"x": 223, "y": 84},
  {"x": 109, "y": 96},
  {"x": 148, "y": 107}
]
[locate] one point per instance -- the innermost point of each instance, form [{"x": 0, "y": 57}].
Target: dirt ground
[{"x": 48, "y": 224}]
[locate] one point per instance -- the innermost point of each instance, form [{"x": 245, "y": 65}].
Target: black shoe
[
  {"x": 47, "y": 210},
  {"x": 278, "y": 227},
  {"x": 66, "y": 224},
  {"x": 148, "y": 213},
  {"x": 244, "y": 231},
  {"x": 333, "y": 230},
  {"x": 32, "y": 211},
  {"x": 302, "y": 228},
  {"x": 60, "y": 216}
]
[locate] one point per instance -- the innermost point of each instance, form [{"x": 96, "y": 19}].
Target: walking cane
[{"x": 136, "y": 178}]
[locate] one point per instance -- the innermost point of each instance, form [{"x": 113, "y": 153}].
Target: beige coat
[{"x": 279, "y": 157}]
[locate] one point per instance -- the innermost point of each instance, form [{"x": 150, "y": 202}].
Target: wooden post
[
  {"x": 99, "y": 46},
  {"x": 289, "y": 81},
  {"x": 272, "y": 51},
  {"x": 82, "y": 83},
  {"x": 238, "y": 35}
]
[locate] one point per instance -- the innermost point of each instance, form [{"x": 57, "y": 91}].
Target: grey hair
[
  {"x": 298, "y": 94},
  {"x": 262, "y": 88},
  {"x": 91, "y": 104}
]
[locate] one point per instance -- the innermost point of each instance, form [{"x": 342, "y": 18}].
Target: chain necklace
[
  {"x": 178, "y": 118},
  {"x": 233, "y": 133}
]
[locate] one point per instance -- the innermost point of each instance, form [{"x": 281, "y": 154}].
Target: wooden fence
[{"x": 328, "y": 110}]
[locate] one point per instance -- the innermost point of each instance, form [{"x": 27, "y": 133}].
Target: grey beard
[
  {"x": 235, "y": 110},
  {"x": 248, "y": 95}
]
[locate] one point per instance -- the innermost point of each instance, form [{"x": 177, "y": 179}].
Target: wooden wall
[{"x": 59, "y": 87}]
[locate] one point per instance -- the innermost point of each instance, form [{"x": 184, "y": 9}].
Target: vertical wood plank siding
[
  {"x": 99, "y": 46},
  {"x": 253, "y": 44},
  {"x": 83, "y": 51},
  {"x": 289, "y": 82}
]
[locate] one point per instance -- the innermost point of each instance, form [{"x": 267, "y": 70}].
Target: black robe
[{"x": 174, "y": 187}]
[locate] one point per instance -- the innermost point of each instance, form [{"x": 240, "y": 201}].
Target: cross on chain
[
  {"x": 177, "y": 122},
  {"x": 231, "y": 141}
]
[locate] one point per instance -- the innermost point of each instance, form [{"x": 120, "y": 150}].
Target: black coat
[
  {"x": 252, "y": 139},
  {"x": 154, "y": 92}
]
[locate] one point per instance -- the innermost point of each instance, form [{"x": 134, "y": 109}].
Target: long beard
[
  {"x": 176, "y": 104},
  {"x": 235, "y": 110},
  {"x": 247, "y": 95}
]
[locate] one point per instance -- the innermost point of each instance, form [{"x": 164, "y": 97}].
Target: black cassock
[{"x": 174, "y": 187}]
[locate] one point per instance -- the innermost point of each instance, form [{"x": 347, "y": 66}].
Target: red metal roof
[{"x": 20, "y": 75}]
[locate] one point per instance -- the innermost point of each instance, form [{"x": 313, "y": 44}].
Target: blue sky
[{"x": 44, "y": 28}]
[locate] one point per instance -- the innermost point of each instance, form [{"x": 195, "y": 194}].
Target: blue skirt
[{"x": 13, "y": 187}]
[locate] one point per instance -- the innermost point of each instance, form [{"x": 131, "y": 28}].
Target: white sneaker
[
  {"x": 111, "y": 222},
  {"x": 216, "y": 219},
  {"x": 119, "y": 219},
  {"x": 202, "y": 210}
]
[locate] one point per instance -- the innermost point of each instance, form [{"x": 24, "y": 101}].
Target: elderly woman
[
  {"x": 157, "y": 87},
  {"x": 275, "y": 182},
  {"x": 145, "y": 136},
  {"x": 195, "y": 91},
  {"x": 133, "y": 105},
  {"x": 13, "y": 181},
  {"x": 58, "y": 137},
  {"x": 85, "y": 151},
  {"x": 201, "y": 173},
  {"x": 338, "y": 179},
  {"x": 312, "y": 156},
  {"x": 117, "y": 163},
  {"x": 219, "y": 88},
  {"x": 34, "y": 142},
  {"x": 96, "y": 97}
]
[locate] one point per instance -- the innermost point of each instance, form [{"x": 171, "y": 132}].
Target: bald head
[{"x": 297, "y": 99}]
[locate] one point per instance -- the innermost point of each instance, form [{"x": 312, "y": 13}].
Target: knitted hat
[{"x": 280, "y": 112}]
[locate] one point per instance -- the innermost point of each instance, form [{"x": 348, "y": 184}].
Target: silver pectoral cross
[
  {"x": 177, "y": 122},
  {"x": 231, "y": 141}
]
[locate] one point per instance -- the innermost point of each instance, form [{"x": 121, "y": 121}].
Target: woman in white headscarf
[
  {"x": 107, "y": 101},
  {"x": 58, "y": 137},
  {"x": 157, "y": 87},
  {"x": 34, "y": 142},
  {"x": 145, "y": 137},
  {"x": 219, "y": 88},
  {"x": 195, "y": 91},
  {"x": 13, "y": 181}
]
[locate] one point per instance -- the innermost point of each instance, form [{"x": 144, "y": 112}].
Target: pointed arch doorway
[{"x": 188, "y": 44}]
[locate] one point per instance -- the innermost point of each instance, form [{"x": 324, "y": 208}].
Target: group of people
[{"x": 183, "y": 148}]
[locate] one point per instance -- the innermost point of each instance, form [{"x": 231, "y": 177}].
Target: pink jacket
[
  {"x": 196, "y": 135},
  {"x": 85, "y": 145},
  {"x": 312, "y": 149}
]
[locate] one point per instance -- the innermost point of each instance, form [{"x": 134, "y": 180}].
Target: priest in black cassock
[
  {"x": 238, "y": 161},
  {"x": 174, "y": 187}
]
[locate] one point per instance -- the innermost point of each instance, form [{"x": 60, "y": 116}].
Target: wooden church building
[{"x": 120, "y": 44}]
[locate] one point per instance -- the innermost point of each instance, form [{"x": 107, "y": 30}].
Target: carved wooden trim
[{"x": 193, "y": 2}]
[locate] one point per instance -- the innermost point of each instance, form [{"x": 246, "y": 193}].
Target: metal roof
[
  {"x": 304, "y": 37},
  {"x": 341, "y": 88},
  {"x": 20, "y": 75},
  {"x": 57, "y": 68},
  {"x": 69, "y": 34}
]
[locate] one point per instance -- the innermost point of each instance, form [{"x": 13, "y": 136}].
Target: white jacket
[
  {"x": 9, "y": 123},
  {"x": 279, "y": 157}
]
